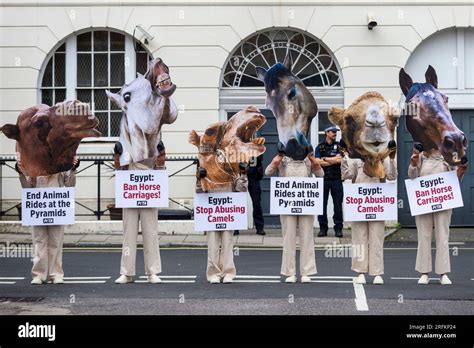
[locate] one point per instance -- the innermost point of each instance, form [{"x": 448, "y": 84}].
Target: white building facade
[{"x": 51, "y": 50}]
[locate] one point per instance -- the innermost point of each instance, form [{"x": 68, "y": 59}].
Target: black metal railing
[{"x": 99, "y": 161}]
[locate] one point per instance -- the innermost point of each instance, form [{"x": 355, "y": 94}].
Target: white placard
[
  {"x": 370, "y": 201},
  {"x": 141, "y": 188},
  {"x": 220, "y": 211},
  {"x": 296, "y": 196},
  {"x": 47, "y": 206},
  {"x": 436, "y": 192}
]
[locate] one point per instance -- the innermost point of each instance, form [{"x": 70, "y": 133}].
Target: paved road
[{"x": 258, "y": 288}]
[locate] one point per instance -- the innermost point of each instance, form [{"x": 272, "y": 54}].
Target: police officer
[{"x": 329, "y": 153}]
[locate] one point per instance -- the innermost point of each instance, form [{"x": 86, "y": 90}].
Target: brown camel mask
[
  {"x": 224, "y": 145},
  {"x": 48, "y": 136},
  {"x": 367, "y": 127},
  {"x": 292, "y": 104},
  {"x": 428, "y": 118}
]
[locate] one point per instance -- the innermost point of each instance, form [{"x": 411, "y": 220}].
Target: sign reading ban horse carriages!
[
  {"x": 141, "y": 188},
  {"x": 47, "y": 206},
  {"x": 370, "y": 201},
  {"x": 296, "y": 196},
  {"x": 435, "y": 192},
  {"x": 220, "y": 211}
]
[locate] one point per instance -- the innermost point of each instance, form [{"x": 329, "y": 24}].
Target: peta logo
[
  {"x": 221, "y": 226},
  {"x": 142, "y": 203},
  {"x": 296, "y": 210},
  {"x": 370, "y": 216},
  {"x": 37, "y": 331},
  {"x": 436, "y": 207},
  {"x": 48, "y": 220}
]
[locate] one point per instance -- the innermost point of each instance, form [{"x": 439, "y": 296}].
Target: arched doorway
[
  {"x": 451, "y": 53},
  {"x": 313, "y": 63}
]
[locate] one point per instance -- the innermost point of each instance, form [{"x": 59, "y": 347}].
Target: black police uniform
[{"x": 333, "y": 184}]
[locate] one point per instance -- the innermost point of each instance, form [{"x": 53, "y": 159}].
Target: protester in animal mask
[
  {"x": 224, "y": 150},
  {"x": 368, "y": 236},
  {"x": 48, "y": 240},
  {"x": 149, "y": 223},
  {"x": 293, "y": 225},
  {"x": 440, "y": 146}
]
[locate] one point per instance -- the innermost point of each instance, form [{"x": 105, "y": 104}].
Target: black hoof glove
[
  {"x": 160, "y": 147},
  {"x": 202, "y": 172},
  {"x": 118, "y": 149},
  {"x": 392, "y": 144},
  {"x": 281, "y": 148},
  {"x": 464, "y": 160},
  {"x": 342, "y": 145},
  {"x": 418, "y": 146}
]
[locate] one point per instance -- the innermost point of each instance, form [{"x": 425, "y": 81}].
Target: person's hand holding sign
[
  {"x": 415, "y": 157},
  {"x": 276, "y": 160},
  {"x": 392, "y": 148},
  {"x": 118, "y": 149},
  {"x": 161, "y": 157},
  {"x": 461, "y": 168}
]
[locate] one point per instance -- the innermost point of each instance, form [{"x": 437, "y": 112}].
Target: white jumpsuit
[
  {"x": 291, "y": 223},
  {"x": 440, "y": 221},
  {"x": 149, "y": 222},
  {"x": 48, "y": 240},
  {"x": 367, "y": 236}
]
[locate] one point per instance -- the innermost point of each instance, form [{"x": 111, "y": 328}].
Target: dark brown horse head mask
[
  {"x": 48, "y": 136},
  {"x": 428, "y": 118},
  {"x": 292, "y": 104}
]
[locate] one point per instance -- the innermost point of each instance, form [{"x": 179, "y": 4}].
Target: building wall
[{"x": 195, "y": 38}]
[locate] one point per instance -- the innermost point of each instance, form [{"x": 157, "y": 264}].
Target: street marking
[
  {"x": 172, "y": 276},
  {"x": 84, "y": 281},
  {"x": 331, "y": 277},
  {"x": 12, "y": 278},
  {"x": 2, "y": 282},
  {"x": 256, "y": 281},
  {"x": 257, "y": 277},
  {"x": 167, "y": 281},
  {"x": 361, "y": 299},
  {"x": 332, "y": 281},
  {"x": 85, "y": 278},
  {"x": 410, "y": 278}
]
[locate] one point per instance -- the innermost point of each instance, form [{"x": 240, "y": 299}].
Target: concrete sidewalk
[{"x": 248, "y": 238}]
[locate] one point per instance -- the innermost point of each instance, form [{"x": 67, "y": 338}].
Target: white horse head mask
[{"x": 147, "y": 105}]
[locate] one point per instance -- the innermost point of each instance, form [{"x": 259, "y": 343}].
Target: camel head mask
[
  {"x": 225, "y": 145},
  {"x": 146, "y": 104},
  {"x": 48, "y": 136},
  {"x": 292, "y": 104},
  {"x": 367, "y": 128},
  {"x": 429, "y": 120}
]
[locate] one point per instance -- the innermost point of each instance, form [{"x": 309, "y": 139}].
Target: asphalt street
[{"x": 258, "y": 289}]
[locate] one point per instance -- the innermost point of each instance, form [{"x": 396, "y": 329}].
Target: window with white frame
[{"x": 87, "y": 64}]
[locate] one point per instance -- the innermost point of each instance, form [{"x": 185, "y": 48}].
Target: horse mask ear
[
  {"x": 431, "y": 76},
  {"x": 405, "y": 81},
  {"x": 288, "y": 62},
  {"x": 114, "y": 97},
  {"x": 260, "y": 73},
  {"x": 336, "y": 116},
  {"x": 194, "y": 138},
  {"x": 11, "y": 131}
]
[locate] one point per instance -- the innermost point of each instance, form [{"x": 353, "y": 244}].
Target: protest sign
[
  {"x": 47, "y": 206},
  {"x": 220, "y": 211},
  {"x": 141, "y": 188},
  {"x": 436, "y": 192},
  {"x": 370, "y": 201},
  {"x": 296, "y": 196}
]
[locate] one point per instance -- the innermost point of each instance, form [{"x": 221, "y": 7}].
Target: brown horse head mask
[
  {"x": 428, "y": 118},
  {"x": 224, "y": 145},
  {"x": 367, "y": 126},
  {"x": 48, "y": 136}
]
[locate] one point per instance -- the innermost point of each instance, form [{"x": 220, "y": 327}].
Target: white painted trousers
[
  {"x": 48, "y": 252},
  {"x": 425, "y": 223},
  {"x": 220, "y": 254},
  {"x": 290, "y": 224},
  {"x": 367, "y": 247},
  {"x": 151, "y": 247}
]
